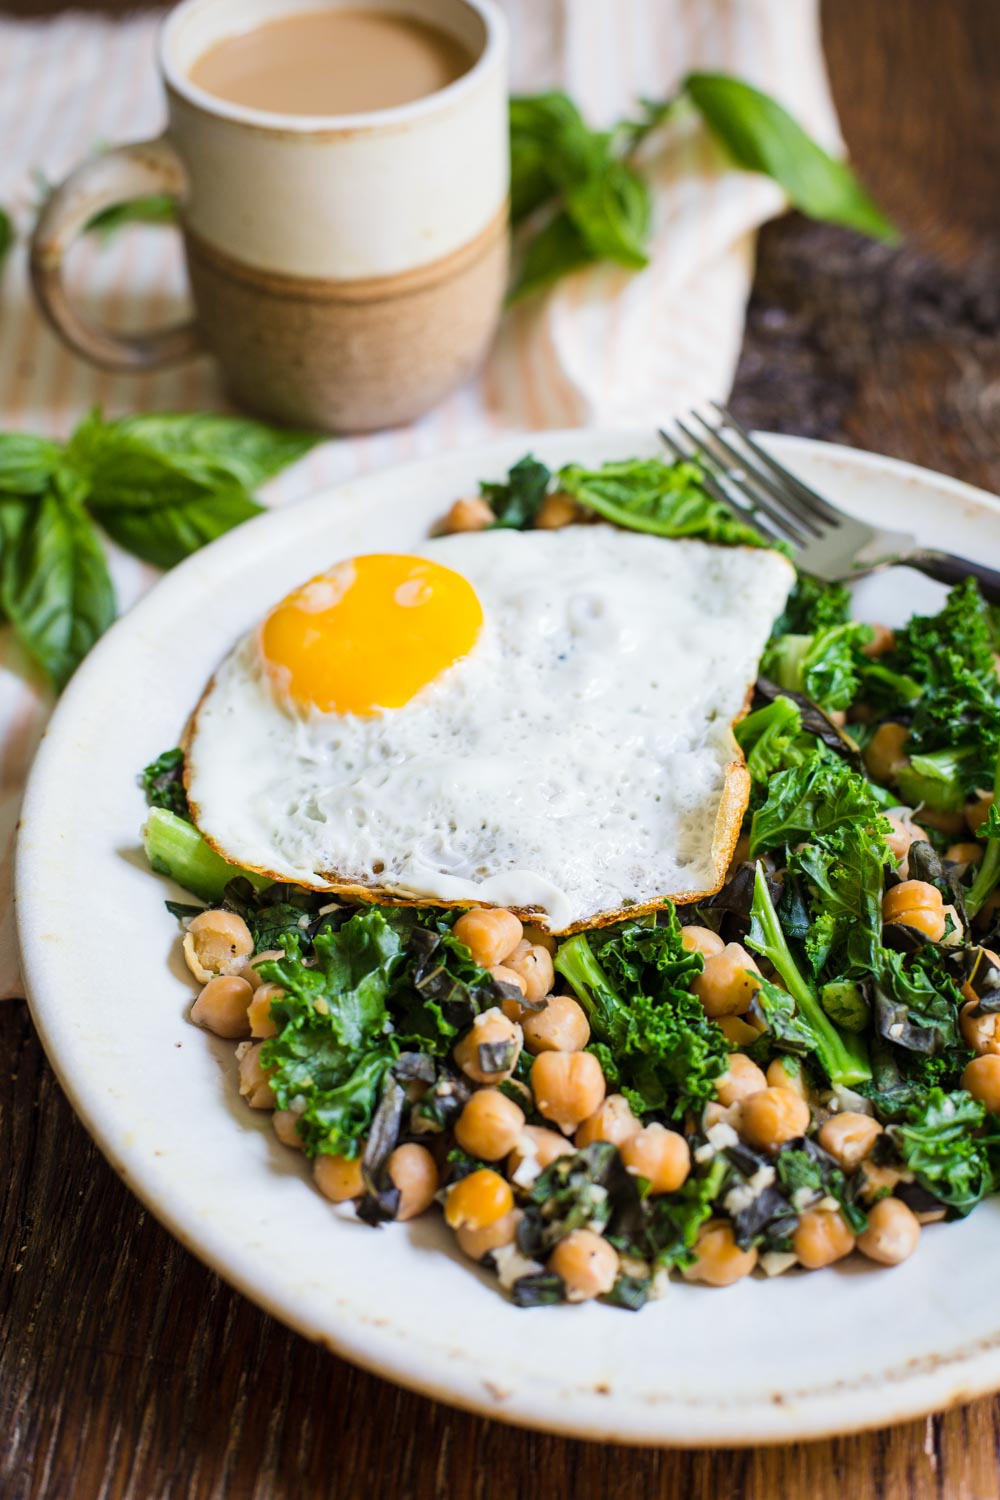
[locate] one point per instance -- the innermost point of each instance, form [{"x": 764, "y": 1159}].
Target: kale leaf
[
  {"x": 163, "y": 783},
  {"x": 935, "y": 1141},
  {"x": 516, "y": 502},
  {"x": 650, "y": 1032},
  {"x": 823, "y": 666},
  {"x": 646, "y": 494}
]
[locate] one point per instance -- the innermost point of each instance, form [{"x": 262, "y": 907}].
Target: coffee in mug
[
  {"x": 344, "y": 218},
  {"x": 332, "y": 62}
]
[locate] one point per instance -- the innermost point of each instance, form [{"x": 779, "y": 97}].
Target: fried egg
[{"x": 540, "y": 720}]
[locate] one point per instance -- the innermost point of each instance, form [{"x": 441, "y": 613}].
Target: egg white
[{"x": 579, "y": 761}]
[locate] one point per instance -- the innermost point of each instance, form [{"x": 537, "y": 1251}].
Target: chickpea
[
  {"x": 222, "y": 1006},
  {"x": 491, "y": 1028},
  {"x": 259, "y": 1010},
  {"x": 737, "y": 1030},
  {"x": 742, "y": 1078},
  {"x": 490, "y": 933},
  {"x": 613, "y": 1121},
  {"x": 539, "y": 938},
  {"x": 884, "y": 755},
  {"x": 701, "y": 940},
  {"x": 512, "y": 1009},
  {"x": 725, "y": 987},
  {"x": 780, "y": 1076},
  {"x": 568, "y": 1087},
  {"x": 286, "y": 1128},
  {"x": 339, "y": 1177},
  {"x": 882, "y": 642},
  {"x": 534, "y": 965},
  {"x": 772, "y": 1117},
  {"x": 904, "y": 833},
  {"x": 471, "y": 514},
  {"x": 892, "y": 1233},
  {"x": 475, "y": 1243},
  {"x": 660, "y": 1155},
  {"x": 877, "y": 1180},
  {"x": 561, "y": 1027},
  {"x": 587, "y": 1264},
  {"x": 982, "y": 1079},
  {"x": 821, "y": 1238},
  {"x": 251, "y": 974},
  {"x": 718, "y": 1259},
  {"x": 413, "y": 1171},
  {"x": 979, "y": 1032},
  {"x": 849, "y": 1137},
  {"x": 216, "y": 942},
  {"x": 964, "y": 854},
  {"x": 917, "y": 904},
  {"x": 977, "y": 811},
  {"x": 489, "y": 1125},
  {"x": 538, "y": 1145},
  {"x": 479, "y": 1200},
  {"x": 255, "y": 1084},
  {"x": 557, "y": 510}
]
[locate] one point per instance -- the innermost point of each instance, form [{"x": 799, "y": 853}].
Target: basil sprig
[
  {"x": 586, "y": 198},
  {"x": 161, "y": 486}
]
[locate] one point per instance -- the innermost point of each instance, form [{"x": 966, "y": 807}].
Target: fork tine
[
  {"x": 742, "y": 512},
  {"x": 749, "y": 471},
  {"x": 819, "y": 507},
  {"x": 778, "y": 520}
]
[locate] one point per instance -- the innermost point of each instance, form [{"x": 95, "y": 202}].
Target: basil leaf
[
  {"x": 761, "y": 136},
  {"x": 138, "y": 456},
  {"x": 7, "y": 235},
  {"x": 54, "y": 586},
  {"x": 555, "y": 250},
  {"x": 169, "y": 529},
  {"x": 26, "y": 463},
  {"x": 611, "y": 210},
  {"x": 550, "y": 146},
  {"x": 158, "y": 208}
]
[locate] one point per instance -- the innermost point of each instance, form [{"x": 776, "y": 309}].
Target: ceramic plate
[{"x": 764, "y": 1361}]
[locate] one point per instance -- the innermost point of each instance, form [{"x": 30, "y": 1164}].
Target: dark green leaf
[
  {"x": 55, "y": 586},
  {"x": 168, "y": 530},
  {"x": 27, "y": 463},
  {"x": 158, "y": 208},
  {"x": 937, "y": 1143},
  {"x": 646, "y": 494},
  {"x": 516, "y": 503},
  {"x": 216, "y": 449},
  {"x": 163, "y": 783},
  {"x": 554, "y": 251},
  {"x": 611, "y": 210},
  {"x": 761, "y": 136},
  {"x": 7, "y": 236}
]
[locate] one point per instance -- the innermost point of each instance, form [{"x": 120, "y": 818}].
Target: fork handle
[{"x": 947, "y": 568}]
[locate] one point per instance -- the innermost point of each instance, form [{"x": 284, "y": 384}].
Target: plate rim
[{"x": 946, "y": 1380}]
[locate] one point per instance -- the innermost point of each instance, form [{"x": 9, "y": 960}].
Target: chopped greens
[{"x": 385, "y": 1024}]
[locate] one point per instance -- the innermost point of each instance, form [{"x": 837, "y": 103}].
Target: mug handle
[{"x": 114, "y": 177}]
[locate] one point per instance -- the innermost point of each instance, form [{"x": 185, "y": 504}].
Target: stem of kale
[{"x": 989, "y": 871}]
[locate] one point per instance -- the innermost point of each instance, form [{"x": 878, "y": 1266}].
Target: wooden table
[{"x": 130, "y": 1371}]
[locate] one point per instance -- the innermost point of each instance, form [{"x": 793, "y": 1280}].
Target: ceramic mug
[{"x": 347, "y": 271}]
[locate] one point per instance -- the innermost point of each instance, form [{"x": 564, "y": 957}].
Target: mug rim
[{"x": 179, "y": 82}]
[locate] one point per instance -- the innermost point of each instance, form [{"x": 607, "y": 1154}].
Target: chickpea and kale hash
[{"x": 803, "y": 1065}]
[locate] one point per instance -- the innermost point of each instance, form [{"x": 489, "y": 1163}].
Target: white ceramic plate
[{"x": 764, "y": 1361}]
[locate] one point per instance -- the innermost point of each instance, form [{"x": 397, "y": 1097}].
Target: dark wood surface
[{"x": 126, "y": 1369}]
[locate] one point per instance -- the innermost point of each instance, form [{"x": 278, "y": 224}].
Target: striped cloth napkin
[{"x": 605, "y": 346}]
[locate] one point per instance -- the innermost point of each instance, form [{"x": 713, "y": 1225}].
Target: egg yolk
[{"x": 370, "y": 633}]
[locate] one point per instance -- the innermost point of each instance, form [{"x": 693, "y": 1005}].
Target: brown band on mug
[{"x": 364, "y": 289}]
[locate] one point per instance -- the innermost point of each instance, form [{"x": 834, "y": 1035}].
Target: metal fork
[{"x": 828, "y": 543}]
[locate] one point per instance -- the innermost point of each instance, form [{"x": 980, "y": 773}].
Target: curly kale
[
  {"x": 651, "y": 1034},
  {"x": 813, "y": 606},
  {"x": 823, "y": 666},
  {"x": 163, "y": 783},
  {"x": 936, "y": 1141}
]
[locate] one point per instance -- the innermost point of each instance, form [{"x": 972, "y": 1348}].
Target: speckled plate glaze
[{"x": 764, "y": 1361}]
